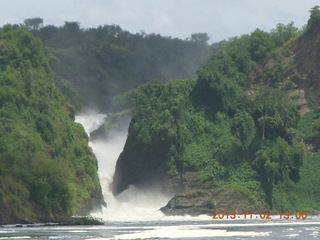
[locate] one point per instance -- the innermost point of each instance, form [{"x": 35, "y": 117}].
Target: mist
[{"x": 133, "y": 203}]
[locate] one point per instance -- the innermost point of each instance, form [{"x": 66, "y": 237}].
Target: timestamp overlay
[{"x": 266, "y": 215}]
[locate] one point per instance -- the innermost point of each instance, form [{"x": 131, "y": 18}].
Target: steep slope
[
  {"x": 47, "y": 170},
  {"x": 307, "y": 58},
  {"x": 233, "y": 129}
]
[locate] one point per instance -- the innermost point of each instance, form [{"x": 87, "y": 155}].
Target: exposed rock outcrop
[
  {"x": 204, "y": 201},
  {"x": 307, "y": 58}
]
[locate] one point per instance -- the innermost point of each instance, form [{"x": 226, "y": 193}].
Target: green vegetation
[
  {"x": 309, "y": 127},
  {"x": 47, "y": 169},
  {"x": 314, "y": 19},
  {"x": 102, "y": 62},
  {"x": 233, "y": 125}
]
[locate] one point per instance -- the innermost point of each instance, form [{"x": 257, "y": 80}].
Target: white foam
[
  {"x": 20, "y": 237},
  {"x": 90, "y": 121},
  {"x": 141, "y": 205},
  {"x": 132, "y": 204},
  {"x": 186, "y": 231},
  {"x": 77, "y": 231},
  {"x": 293, "y": 235}
]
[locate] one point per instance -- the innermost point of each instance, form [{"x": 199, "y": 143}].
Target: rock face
[
  {"x": 307, "y": 57},
  {"x": 203, "y": 201},
  {"x": 146, "y": 170}
]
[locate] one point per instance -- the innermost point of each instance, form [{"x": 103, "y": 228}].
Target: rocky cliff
[{"x": 204, "y": 201}]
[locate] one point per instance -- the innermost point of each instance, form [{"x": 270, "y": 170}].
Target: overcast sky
[{"x": 221, "y": 19}]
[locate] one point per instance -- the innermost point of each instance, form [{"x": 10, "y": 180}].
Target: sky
[{"x": 221, "y": 19}]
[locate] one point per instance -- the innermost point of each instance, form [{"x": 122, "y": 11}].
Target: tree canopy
[
  {"x": 47, "y": 169},
  {"x": 224, "y": 121},
  {"x": 102, "y": 62},
  {"x": 33, "y": 23}
]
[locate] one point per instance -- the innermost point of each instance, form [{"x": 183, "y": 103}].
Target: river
[
  {"x": 134, "y": 214},
  {"x": 170, "y": 228}
]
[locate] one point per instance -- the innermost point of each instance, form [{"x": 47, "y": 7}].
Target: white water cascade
[{"x": 133, "y": 204}]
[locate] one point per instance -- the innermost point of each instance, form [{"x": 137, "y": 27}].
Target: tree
[
  {"x": 314, "y": 16},
  {"x": 260, "y": 46},
  {"x": 72, "y": 26},
  {"x": 283, "y": 33},
  {"x": 274, "y": 114},
  {"x": 238, "y": 49},
  {"x": 49, "y": 31},
  {"x": 220, "y": 83},
  {"x": 277, "y": 162},
  {"x": 33, "y": 23},
  {"x": 244, "y": 129},
  {"x": 200, "y": 37}
]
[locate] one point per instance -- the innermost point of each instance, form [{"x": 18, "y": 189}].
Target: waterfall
[{"x": 132, "y": 204}]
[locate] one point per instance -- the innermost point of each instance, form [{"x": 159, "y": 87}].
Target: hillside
[
  {"x": 99, "y": 63},
  {"x": 235, "y": 128},
  {"x": 242, "y": 133},
  {"x": 47, "y": 170}
]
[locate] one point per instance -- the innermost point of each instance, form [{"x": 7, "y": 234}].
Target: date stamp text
[{"x": 260, "y": 215}]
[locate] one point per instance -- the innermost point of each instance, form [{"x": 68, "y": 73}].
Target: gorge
[{"x": 181, "y": 125}]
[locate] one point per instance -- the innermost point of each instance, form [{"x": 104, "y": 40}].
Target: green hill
[
  {"x": 47, "y": 170},
  {"x": 236, "y": 126}
]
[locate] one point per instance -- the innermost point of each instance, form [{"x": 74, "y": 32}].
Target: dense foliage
[
  {"x": 234, "y": 125},
  {"x": 102, "y": 62},
  {"x": 231, "y": 127},
  {"x": 46, "y": 167}
]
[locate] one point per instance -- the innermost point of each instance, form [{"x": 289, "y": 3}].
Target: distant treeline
[{"x": 102, "y": 62}]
